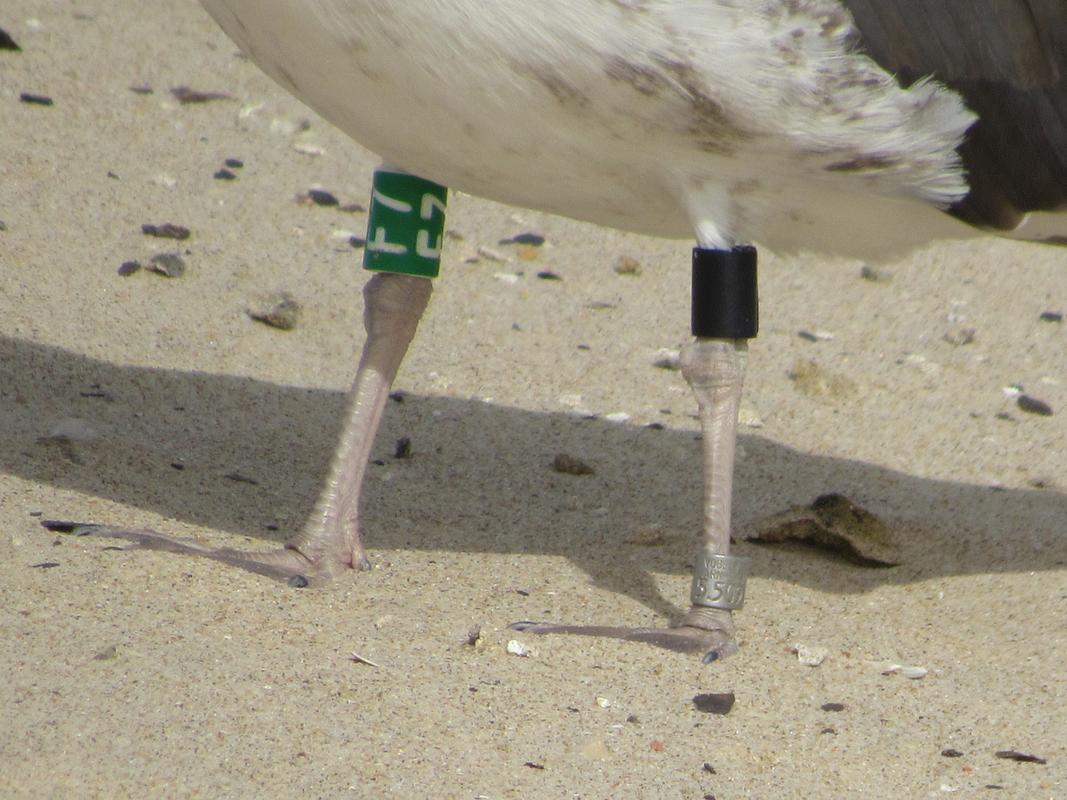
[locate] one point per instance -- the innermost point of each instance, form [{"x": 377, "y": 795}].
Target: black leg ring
[{"x": 725, "y": 302}]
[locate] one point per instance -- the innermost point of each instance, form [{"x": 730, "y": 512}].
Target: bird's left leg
[{"x": 724, "y": 316}]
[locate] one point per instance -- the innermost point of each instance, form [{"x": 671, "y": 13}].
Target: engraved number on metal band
[{"x": 719, "y": 582}]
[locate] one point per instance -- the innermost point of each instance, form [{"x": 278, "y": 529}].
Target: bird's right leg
[
  {"x": 330, "y": 541},
  {"x": 405, "y": 229},
  {"x": 393, "y": 306}
]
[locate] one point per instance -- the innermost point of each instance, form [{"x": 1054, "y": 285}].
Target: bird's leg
[
  {"x": 405, "y": 229},
  {"x": 394, "y": 304},
  {"x": 330, "y": 540},
  {"x": 724, "y": 316},
  {"x": 715, "y": 370}
]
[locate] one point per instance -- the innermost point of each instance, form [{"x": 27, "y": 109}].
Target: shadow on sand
[{"x": 246, "y": 456}]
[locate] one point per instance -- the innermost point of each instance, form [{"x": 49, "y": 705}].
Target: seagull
[{"x": 849, "y": 127}]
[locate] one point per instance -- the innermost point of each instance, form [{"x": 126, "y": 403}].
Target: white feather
[{"x": 722, "y": 119}]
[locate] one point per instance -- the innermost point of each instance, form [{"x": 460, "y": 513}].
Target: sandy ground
[{"x": 158, "y": 402}]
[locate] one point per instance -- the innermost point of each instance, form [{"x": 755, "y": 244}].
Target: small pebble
[
  {"x": 603, "y": 702},
  {"x": 357, "y": 241},
  {"x": 321, "y": 197},
  {"x": 832, "y": 706},
  {"x": 1031, "y": 405},
  {"x": 960, "y": 337},
  {"x": 666, "y": 358},
  {"x": 548, "y": 275},
  {"x": 167, "y": 230},
  {"x": 869, "y": 273},
  {"x": 237, "y": 477},
  {"x": 108, "y": 653},
  {"x": 1051, "y": 316},
  {"x": 714, "y": 703},
  {"x": 169, "y": 265},
  {"x": 97, "y": 392},
  {"x": 810, "y": 656},
  {"x": 298, "y": 582},
  {"x": 403, "y": 448},
  {"x": 233, "y": 163},
  {"x": 815, "y": 336},
  {"x": 141, "y": 88},
  {"x": 36, "y": 99},
  {"x": 569, "y": 465},
  {"x": 627, "y": 265},
  {"x": 517, "y": 648},
  {"x": 530, "y": 238},
  {"x": 224, "y": 174},
  {"x": 358, "y": 659},
  {"x": 912, "y": 673},
  {"x": 951, "y": 752},
  {"x": 279, "y": 310},
  {"x": 127, "y": 268},
  {"x": 185, "y": 95},
  {"x": 1026, "y": 758},
  {"x": 309, "y": 149},
  {"x": 491, "y": 255}
]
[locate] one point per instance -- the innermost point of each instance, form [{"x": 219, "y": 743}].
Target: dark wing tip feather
[{"x": 1008, "y": 60}]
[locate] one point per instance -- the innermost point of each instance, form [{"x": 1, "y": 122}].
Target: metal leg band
[{"x": 719, "y": 582}]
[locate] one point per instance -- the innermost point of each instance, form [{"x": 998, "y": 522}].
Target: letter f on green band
[{"x": 406, "y": 225}]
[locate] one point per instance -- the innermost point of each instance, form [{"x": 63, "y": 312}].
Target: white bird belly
[{"x": 661, "y": 117}]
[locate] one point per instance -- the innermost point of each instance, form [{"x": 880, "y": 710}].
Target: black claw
[
  {"x": 298, "y": 581},
  {"x": 710, "y": 656},
  {"x": 364, "y": 564},
  {"x": 523, "y": 624}
]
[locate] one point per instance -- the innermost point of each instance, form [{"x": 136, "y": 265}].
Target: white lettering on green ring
[{"x": 406, "y": 225}]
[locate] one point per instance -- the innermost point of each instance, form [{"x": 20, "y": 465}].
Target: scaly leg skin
[
  {"x": 330, "y": 541},
  {"x": 715, "y": 369}
]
